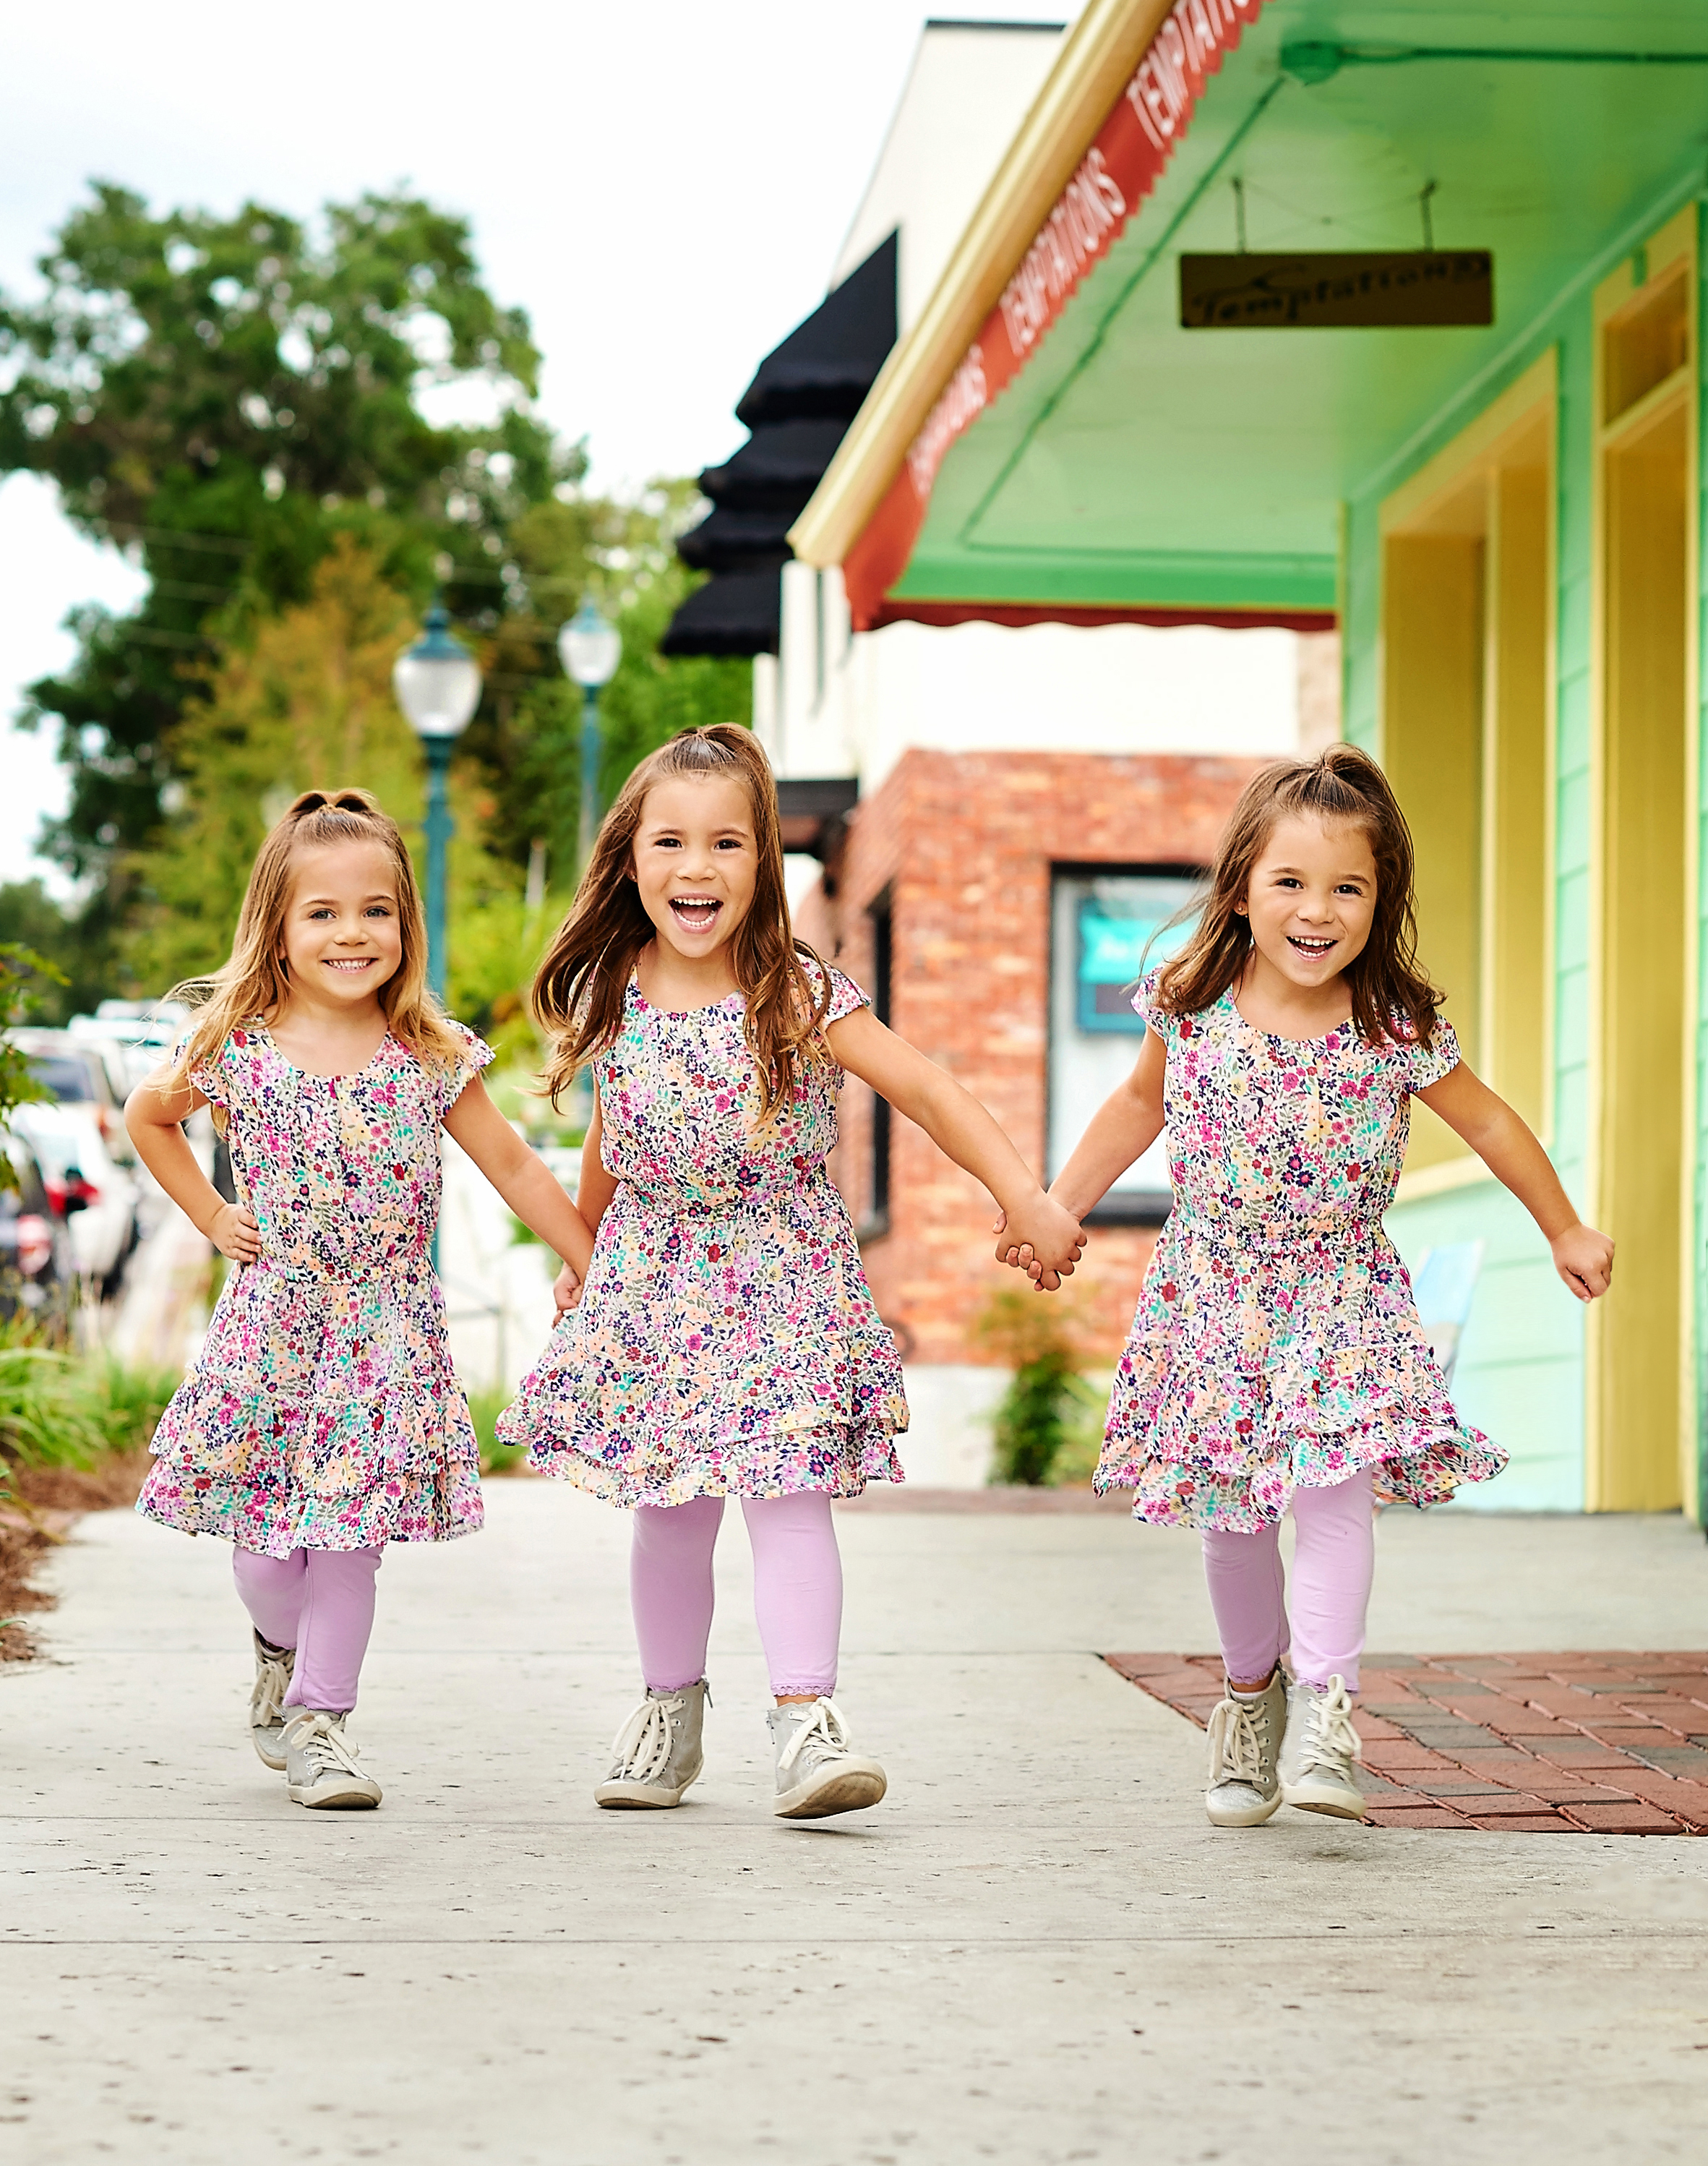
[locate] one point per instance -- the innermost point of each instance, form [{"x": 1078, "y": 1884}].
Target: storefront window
[{"x": 1108, "y": 926}]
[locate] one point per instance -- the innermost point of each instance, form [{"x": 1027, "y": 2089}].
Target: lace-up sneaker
[
  {"x": 1245, "y": 1743},
  {"x": 321, "y": 1766},
  {"x": 266, "y": 1700},
  {"x": 816, "y": 1774},
  {"x": 656, "y": 1753},
  {"x": 1318, "y": 1751}
]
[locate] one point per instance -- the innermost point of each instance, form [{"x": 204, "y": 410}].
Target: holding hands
[{"x": 1041, "y": 1237}]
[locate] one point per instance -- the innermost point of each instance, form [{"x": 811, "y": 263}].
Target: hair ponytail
[
  {"x": 1341, "y": 786},
  {"x": 255, "y": 983}
]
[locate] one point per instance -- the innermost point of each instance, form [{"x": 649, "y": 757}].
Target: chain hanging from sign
[{"x": 1335, "y": 290}]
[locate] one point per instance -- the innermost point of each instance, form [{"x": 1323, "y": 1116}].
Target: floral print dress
[
  {"x": 1276, "y": 1344},
  {"x": 726, "y": 1343},
  {"x": 323, "y": 1411}
]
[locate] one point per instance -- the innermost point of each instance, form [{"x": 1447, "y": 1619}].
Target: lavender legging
[
  {"x": 797, "y": 1589},
  {"x": 1333, "y": 1564},
  {"x": 320, "y": 1602}
]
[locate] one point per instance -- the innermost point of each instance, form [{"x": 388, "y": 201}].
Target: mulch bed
[
  {"x": 1604, "y": 1744},
  {"x": 45, "y": 1502}
]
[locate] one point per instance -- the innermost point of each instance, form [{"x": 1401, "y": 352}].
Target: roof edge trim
[{"x": 1098, "y": 58}]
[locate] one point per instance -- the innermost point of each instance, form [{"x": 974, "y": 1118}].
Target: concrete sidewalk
[{"x": 1036, "y": 1951}]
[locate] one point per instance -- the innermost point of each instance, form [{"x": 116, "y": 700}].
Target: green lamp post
[
  {"x": 590, "y": 648},
  {"x": 437, "y": 686}
]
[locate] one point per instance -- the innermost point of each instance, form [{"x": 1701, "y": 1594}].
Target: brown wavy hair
[
  {"x": 579, "y": 988},
  {"x": 255, "y": 982},
  {"x": 1342, "y": 786}
]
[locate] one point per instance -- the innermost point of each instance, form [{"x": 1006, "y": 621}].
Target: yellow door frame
[
  {"x": 1645, "y": 380},
  {"x": 1466, "y": 666}
]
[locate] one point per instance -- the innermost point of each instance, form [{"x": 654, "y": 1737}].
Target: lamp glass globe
[{"x": 590, "y": 648}]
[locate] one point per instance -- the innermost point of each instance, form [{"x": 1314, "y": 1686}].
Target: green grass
[{"x": 62, "y": 1407}]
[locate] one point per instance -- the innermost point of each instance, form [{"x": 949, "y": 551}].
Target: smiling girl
[
  {"x": 726, "y": 1344},
  {"x": 322, "y": 1418},
  {"x": 1276, "y": 1359}
]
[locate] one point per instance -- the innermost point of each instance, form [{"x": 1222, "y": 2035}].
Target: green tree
[
  {"x": 22, "y": 976},
  {"x": 223, "y": 398},
  {"x": 625, "y": 556},
  {"x": 236, "y": 401},
  {"x": 30, "y": 917},
  {"x": 306, "y": 703}
]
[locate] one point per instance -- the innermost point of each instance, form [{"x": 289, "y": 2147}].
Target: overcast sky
[{"x": 663, "y": 187}]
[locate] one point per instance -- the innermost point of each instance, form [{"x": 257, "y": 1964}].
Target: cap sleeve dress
[
  {"x": 322, "y": 1410},
  {"x": 1276, "y": 1343},
  {"x": 726, "y": 1343}
]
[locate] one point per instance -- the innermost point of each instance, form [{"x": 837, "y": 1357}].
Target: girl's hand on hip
[
  {"x": 565, "y": 1290},
  {"x": 233, "y": 1232},
  {"x": 1585, "y": 1260}
]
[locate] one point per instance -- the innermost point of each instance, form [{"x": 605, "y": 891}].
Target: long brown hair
[
  {"x": 1342, "y": 786},
  {"x": 579, "y": 988},
  {"x": 255, "y": 982}
]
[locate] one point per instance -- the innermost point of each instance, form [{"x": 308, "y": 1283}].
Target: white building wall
[
  {"x": 969, "y": 89},
  {"x": 853, "y": 703}
]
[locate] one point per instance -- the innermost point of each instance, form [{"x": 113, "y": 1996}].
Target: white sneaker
[
  {"x": 1245, "y": 1743},
  {"x": 816, "y": 1774},
  {"x": 656, "y": 1753},
  {"x": 321, "y": 1766},
  {"x": 266, "y": 1700},
  {"x": 1318, "y": 1751}
]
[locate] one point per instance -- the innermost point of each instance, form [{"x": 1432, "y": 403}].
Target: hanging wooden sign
[{"x": 1401, "y": 286}]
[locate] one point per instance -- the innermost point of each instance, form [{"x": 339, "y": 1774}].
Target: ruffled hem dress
[
  {"x": 1276, "y": 1345},
  {"x": 726, "y": 1343},
  {"x": 323, "y": 1411}
]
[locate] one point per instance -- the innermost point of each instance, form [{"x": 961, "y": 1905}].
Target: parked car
[
  {"x": 88, "y": 1190},
  {"x": 34, "y": 1246},
  {"x": 79, "y": 1071},
  {"x": 134, "y": 1036}
]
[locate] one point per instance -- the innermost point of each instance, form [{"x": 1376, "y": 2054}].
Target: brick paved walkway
[{"x": 1608, "y": 1744}]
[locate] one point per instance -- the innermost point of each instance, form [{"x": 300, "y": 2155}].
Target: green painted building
[{"x": 1504, "y": 518}]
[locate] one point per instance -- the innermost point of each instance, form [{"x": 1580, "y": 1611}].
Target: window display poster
[
  {"x": 1121, "y": 936},
  {"x": 1107, "y": 929}
]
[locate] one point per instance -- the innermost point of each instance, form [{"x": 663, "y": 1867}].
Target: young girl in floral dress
[
  {"x": 322, "y": 1419},
  {"x": 725, "y": 1342},
  {"x": 1276, "y": 1359}
]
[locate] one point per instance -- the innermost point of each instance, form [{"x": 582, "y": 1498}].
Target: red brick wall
[{"x": 966, "y": 842}]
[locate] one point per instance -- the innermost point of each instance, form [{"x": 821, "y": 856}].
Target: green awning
[{"x": 1133, "y": 463}]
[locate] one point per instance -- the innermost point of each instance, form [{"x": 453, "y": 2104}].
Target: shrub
[
  {"x": 63, "y": 1408},
  {"x": 484, "y": 1409},
  {"x": 1044, "y": 1410}
]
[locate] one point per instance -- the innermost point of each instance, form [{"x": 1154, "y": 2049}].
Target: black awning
[
  {"x": 798, "y": 407},
  {"x": 826, "y": 366},
  {"x": 736, "y": 613},
  {"x": 781, "y": 460},
  {"x": 726, "y": 540}
]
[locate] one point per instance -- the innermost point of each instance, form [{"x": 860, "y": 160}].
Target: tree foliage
[
  {"x": 306, "y": 703},
  {"x": 225, "y": 397},
  {"x": 238, "y": 403},
  {"x": 21, "y": 974},
  {"x": 626, "y": 555}
]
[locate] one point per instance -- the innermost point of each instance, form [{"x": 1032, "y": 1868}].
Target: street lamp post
[
  {"x": 437, "y": 686},
  {"x": 590, "y": 649}
]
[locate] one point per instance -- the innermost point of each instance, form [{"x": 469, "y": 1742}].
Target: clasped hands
[{"x": 1041, "y": 1237}]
